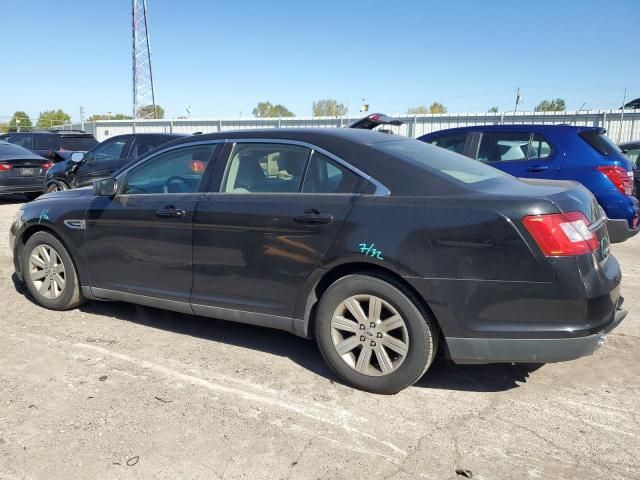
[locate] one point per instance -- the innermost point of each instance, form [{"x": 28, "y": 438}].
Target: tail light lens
[
  {"x": 4, "y": 167},
  {"x": 47, "y": 165},
  {"x": 620, "y": 177},
  {"x": 562, "y": 234}
]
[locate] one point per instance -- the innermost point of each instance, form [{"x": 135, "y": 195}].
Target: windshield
[
  {"x": 451, "y": 164},
  {"x": 600, "y": 142}
]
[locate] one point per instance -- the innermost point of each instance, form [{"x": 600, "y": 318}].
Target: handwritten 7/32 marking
[{"x": 370, "y": 250}]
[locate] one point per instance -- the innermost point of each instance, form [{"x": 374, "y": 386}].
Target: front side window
[
  {"x": 455, "y": 143},
  {"x": 265, "y": 168},
  {"x": 77, "y": 144},
  {"x": 109, "y": 150},
  {"x": 325, "y": 176},
  {"x": 175, "y": 171}
]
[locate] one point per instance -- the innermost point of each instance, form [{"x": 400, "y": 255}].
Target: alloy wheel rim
[
  {"x": 369, "y": 335},
  {"x": 47, "y": 271},
  {"x": 55, "y": 188}
]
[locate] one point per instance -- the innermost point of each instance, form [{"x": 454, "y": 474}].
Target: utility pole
[
  {"x": 518, "y": 100},
  {"x": 81, "y": 118},
  {"x": 624, "y": 100}
]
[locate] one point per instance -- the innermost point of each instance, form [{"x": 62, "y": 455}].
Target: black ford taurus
[{"x": 382, "y": 248}]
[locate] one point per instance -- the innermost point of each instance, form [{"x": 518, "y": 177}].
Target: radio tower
[{"x": 143, "y": 95}]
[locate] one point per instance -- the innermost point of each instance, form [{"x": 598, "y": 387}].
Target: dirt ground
[{"x": 114, "y": 390}]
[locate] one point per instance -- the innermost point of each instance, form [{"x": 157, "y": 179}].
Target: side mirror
[
  {"x": 105, "y": 187},
  {"x": 76, "y": 157}
]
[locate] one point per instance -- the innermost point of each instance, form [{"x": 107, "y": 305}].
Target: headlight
[{"x": 17, "y": 219}]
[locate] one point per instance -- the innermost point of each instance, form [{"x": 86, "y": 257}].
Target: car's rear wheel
[
  {"x": 56, "y": 187},
  {"x": 49, "y": 273},
  {"x": 373, "y": 334}
]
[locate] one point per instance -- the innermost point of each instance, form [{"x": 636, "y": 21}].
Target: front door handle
[
  {"x": 314, "y": 217},
  {"x": 170, "y": 212},
  {"x": 538, "y": 168}
]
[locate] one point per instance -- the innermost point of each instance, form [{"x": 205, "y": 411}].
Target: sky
[{"x": 222, "y": 58}]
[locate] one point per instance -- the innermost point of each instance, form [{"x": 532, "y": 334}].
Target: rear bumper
[
  {"x": 21, "y": 184},
  {"x": 619, "y": 230},
  {"x": 538, "y": 350}
]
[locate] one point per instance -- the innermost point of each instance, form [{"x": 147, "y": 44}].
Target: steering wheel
[{"x": 177, "y": 178}]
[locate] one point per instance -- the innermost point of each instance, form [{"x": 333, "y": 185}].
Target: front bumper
[
  {"x": 519, "y": 350},
  {"x": 619, "y": 230}
]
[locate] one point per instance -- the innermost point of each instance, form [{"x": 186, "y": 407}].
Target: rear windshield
[
  {"x": 10, "y": 149},
  {"x": 453, "y": 165},
  {"x": 600, "y": 142},
  {"x": 77, "y": 143}
]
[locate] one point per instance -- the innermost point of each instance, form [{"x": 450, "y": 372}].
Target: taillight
[
  {"x": 47, "y": 165},
  {"x": 5, "y": 167},
  {"x": 562, "y": 234},
  {"x": 620, "y": 177}
]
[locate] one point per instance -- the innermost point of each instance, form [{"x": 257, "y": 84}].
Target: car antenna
[{"x": 576, "y": 114}]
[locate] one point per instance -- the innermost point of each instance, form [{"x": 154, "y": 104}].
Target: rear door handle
[
  {"x": 538, "y": 168},
  {"x": 313, "y": 217},
  {"x": 170, "y": 212}
]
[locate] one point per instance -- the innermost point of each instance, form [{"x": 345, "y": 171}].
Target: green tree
[
  {"x": 436, "y": 107},
  {"x": 4, "y": 127},
  {"x": 20, "y": 120},
  {"x": 50, "y": 118},
  {"x": 557, "y": 105},
  {"x": 267, "y": 110},
  {"x": 118, "y": 116},
  {"x": 329, "y": 108},
  {"x": 493, "y": 110},
  {"x": 419, "y": 110},
  {"x": 147, "y": 112}
]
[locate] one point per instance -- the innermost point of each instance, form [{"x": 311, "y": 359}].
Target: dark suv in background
[
  {"x": 555, "y": 152},
  {"x": 55, "y": 145},
  {"x": 81, "y": 169}
]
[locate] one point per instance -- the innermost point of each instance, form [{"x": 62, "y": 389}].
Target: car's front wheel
[
  {"x": 373, "y": 334},
  {"x": 49, "y": 273}
]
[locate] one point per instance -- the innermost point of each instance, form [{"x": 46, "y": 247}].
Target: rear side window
[
  {"x": 43, "y": 142},
  {"x": 539, "y": 147},
  {"x": 503, "y": 146},
  {"x": 325, "y": 176},
  {"x": 455, "y": 143},
  {"x": 25, "y": 141},
  {"x": 81, "y": 144},
  {"x": 455, "y": 166},
  {"x": 600, "y": 142},
  {"x": 265, "y": 168}
]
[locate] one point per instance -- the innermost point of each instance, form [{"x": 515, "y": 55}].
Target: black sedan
[
  {"x": 382, "y": 248},
  {"x": 81, "y": 169},
  {"x": 21, "y": 170},
  {"x": 632, "y": 150}
]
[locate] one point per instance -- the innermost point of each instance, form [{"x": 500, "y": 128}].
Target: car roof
[
  {"x": 60, "y": 133},
  {"x": 514, "y": 128},
  {"x": 632, "y": 144}
]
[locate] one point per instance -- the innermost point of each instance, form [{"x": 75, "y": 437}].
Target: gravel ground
[{"x": 114, "y": 390}]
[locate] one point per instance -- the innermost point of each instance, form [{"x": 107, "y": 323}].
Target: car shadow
[{"x": 444, "y": 374}]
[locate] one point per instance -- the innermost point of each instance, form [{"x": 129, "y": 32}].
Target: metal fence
[{"x": 620, "y": 126}]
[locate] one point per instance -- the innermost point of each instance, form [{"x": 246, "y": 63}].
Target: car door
[
  {"x": 524, "y": 153},
  {"x": 139, "y": 242},
  {"x": 265, "y": 226},
  {"x": 101, "y": 161}
]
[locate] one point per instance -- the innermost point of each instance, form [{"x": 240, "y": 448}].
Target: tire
[
  {"x": 417, "y": 336},
  {"x": 56, "y": 187},
  {"x": 54, "y": 298}
]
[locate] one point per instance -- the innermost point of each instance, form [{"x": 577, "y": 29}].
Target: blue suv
[{"x": 557, "y": 152}]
